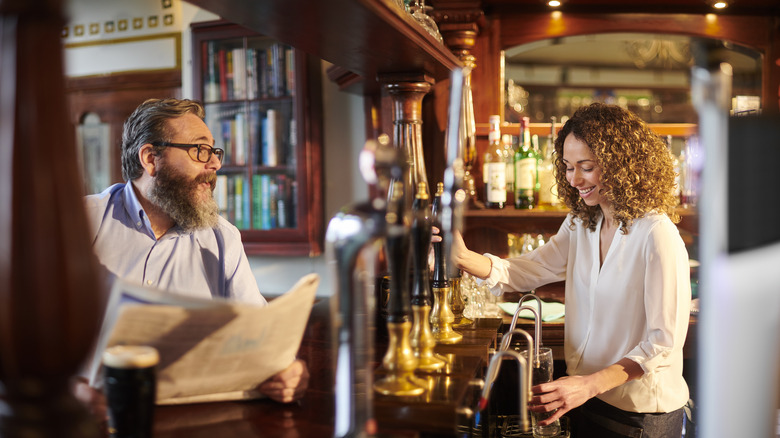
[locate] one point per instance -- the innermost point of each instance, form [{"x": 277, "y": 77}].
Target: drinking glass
[{"x": 543, "y": 374}]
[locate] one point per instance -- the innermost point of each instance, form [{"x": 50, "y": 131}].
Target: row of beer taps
[{"x": 416, "y": 321}]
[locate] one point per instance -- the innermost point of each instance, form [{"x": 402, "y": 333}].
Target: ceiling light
[
  {"x": 554, "y": 3},
  {"x": 719, "y": 4}
]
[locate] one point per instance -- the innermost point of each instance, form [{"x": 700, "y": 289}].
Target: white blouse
[{"x": 635, "y": 306}]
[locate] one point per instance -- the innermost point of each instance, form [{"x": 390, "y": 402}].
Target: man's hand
[
  {"x": 93, "y": 399},
  {"x": 287, "y": 385}
]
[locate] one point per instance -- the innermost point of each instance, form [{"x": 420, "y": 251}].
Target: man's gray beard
[{"x": 176, "y": 196}]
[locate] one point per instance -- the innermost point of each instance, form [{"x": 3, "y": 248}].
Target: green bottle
[{"x": 525, "y": 169}]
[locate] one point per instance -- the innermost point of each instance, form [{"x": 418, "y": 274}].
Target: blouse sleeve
[
  {"x": 667, "y": 298},
  {"x": 546, "y": 264}
]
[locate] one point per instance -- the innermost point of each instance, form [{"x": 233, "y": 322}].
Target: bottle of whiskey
[
  {"x": 509, "y": 159},
  {"x": 525, "y": 169},
  {"x": 494, "y": 167}
]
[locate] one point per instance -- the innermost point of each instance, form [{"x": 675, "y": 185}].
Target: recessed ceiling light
[
  {"x": 719, "y": 4},
  {"x": 554, "y": 3}
]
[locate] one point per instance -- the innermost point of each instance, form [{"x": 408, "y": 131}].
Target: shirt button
[
  {"x": 148, "y": 281},
  {"x": 138, "y": 224}
]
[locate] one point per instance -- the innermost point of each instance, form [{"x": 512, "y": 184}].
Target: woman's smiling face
[{"x": 582, "y": 171}]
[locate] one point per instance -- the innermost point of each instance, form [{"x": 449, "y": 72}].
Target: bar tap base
[
  {"x": 399, "y": 363},
  {"x": 463, "y": 323},
  {"x": 446, "y": 335},
  {"x": 422, "y": 341},
  {"x": 442, "y": 318},
  {"x": 401, "y": 385}
]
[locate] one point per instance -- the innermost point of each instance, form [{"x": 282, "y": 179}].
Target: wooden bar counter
[{"x": 446, "y": 409}]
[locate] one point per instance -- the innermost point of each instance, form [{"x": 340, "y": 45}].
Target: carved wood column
[
  {"x": 49, "y": 303},
  {"x": 407, "y": 92},
  {"x": 460, "y": 22}
]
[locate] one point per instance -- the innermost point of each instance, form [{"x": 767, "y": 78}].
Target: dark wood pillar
[
  {"x": 407, "y": 92},
  {"x": 49, "y": 306}
]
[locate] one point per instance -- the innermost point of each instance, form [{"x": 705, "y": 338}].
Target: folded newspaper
[{"x": 210, "y": 350}]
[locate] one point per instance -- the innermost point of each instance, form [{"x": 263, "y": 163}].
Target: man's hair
[
  {"x": 637, "y": 169},
  {"x": 148, "y": 124}
]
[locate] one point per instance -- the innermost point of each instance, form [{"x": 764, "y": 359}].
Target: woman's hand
[
  {"x": 465, "y": 259},
  {"x": 570, "y": 392},
  {"x": 287, "y": 385},
  {"x": 563, "y": 394}
]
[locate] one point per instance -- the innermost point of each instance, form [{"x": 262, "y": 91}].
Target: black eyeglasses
[{"x": 203, "y": 153}]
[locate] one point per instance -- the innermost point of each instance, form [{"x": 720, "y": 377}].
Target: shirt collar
[{"x": 134, "y": 209}]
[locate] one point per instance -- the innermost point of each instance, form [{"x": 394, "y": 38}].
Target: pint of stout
[{"x": 130, "y": 388}]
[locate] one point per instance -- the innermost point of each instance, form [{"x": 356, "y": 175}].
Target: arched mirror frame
[{"x": 508, "y": 30}]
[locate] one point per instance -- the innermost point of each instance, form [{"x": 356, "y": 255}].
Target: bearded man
[{"x": 162, "y": 227}]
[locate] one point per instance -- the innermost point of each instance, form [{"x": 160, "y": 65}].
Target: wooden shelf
[
  {"x": 366, "y": 37},
  {"x": 512, "y": 220},
  {"x": 543, "y": 129}
]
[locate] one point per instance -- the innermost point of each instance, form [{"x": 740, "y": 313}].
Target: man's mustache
[{"x": 209, "y": 177}]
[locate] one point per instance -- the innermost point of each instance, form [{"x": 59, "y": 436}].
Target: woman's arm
[
  {"x": 568, "y": 393},
  {"x": 475, "y": 264}
]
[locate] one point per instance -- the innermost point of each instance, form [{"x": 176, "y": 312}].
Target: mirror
[{"x": 646, "y": 73}]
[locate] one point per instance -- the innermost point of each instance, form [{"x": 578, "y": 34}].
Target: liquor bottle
[
  {"x": 538, "y": 157},
  {"x": 548, "y": 189},
  {"x": 525, "y": 169},
  {"x": 509, "y": 159},
  {"x": 494, "y": 167}
]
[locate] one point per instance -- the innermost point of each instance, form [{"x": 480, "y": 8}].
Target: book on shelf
[
  {"x": 221, "y": 195},
  {"x": 238, "y": 201},
  {"x": 254, "y": 122},
  {"x": 251, "y": 74},
  {"x": 240, "y": 144},
  {"x": 290, "y": 71},
  {"x": 239, "y": 73},
  {"x": 210, "y": 76},
  {"x": 222, "y": 58},
  {"x": 262, "y": 76},
  {"x": 270, "y": 142},
  {"x": 265, "y": 202}
]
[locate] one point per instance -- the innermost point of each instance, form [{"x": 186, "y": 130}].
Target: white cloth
[{"x": 635, "y": 306}]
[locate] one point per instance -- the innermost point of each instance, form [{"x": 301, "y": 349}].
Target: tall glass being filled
[{"x": 543, "y": 374}]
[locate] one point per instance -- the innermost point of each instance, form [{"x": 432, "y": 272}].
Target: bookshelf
[{"x": 263, "y": 107}]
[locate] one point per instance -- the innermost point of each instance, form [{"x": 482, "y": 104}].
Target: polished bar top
[{"x": 447, "y": 405}]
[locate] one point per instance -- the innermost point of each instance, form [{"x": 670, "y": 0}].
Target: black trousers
[{"x": 597, "y": 419}]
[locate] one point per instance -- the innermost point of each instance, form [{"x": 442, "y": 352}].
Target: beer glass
[
  {"x": 543, "y": 374},
  {"x": 130, "y": 388}
]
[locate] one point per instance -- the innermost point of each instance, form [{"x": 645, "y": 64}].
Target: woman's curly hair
[{"x": 637, "y": 169}]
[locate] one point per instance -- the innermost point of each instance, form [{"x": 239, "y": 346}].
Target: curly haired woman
[{"x": 627, "y": 279}]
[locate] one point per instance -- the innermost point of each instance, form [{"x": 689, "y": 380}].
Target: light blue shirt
[{"x": 205, "y": 263}]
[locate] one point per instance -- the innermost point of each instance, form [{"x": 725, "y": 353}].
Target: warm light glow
[
  {"x": 556, "y": 15},
  {"x": 554, "y": 3},
  {"x": 719, "y": 5}
]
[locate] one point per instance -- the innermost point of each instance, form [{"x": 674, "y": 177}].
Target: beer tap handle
[{"x": 454, "y": 195}]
